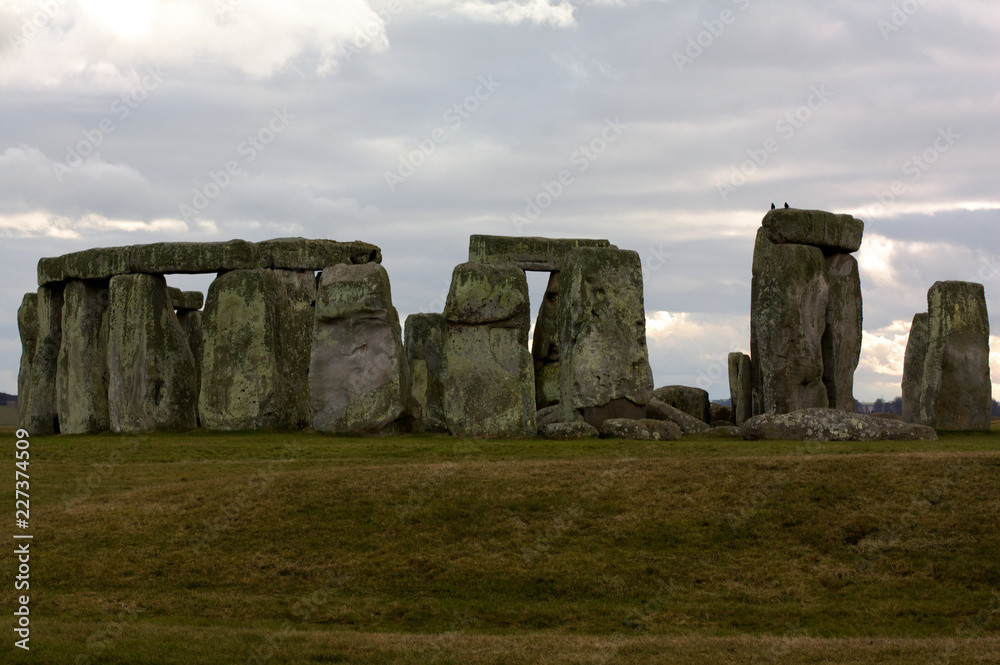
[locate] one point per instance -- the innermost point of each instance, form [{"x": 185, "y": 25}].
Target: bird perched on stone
[
  {"x": 786, "y": 204},
  {"x": 772, "y": 206}
]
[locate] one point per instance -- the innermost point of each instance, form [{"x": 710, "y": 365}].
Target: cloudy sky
[{"x": 412, "y": 124}]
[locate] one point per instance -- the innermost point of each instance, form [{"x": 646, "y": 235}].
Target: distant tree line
[
  {"x": 6, "y": 399},
  {"x": 896, "y": 406}
]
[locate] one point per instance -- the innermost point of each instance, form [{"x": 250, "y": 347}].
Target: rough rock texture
[
  {"x": 528, "y": 253},
  {"x": 602, "y": 333},
  {"x": 661, "y": 430},
  {"x": 358, "y": 374},
  {"x": 842, "y": 337},
  {"x": 826, "y": 230},
  {"x": 186, "y": 300},
  {"x": 27, "y": 327},
  {"x": 913, "y": 366},
  {"x": 719, "y": 413},
  {"x": 545, "y": 346},
  {"x": 832, "y": 425},
  {"x": 488, "y": 374},
  {"x": 194, "y": 331},
  {"x": 740, "y": 387},
  {"x": 424, "y": 344},
  {"x": 662, "y": 411},
  {"x": 567, "y": 431},
  {"x": 548, "y": 415},
  {"x": 624, "y": 428},
  {"x": 728, "y": 431},
  {"x": 955, "y": 388},
  {"x": 151, "y": 368},
  {"x": 789, "y": 298},
  {"x": 82, "y": 374},
  {"x": 256, "y": 337},
  {"x": 692, "y": 401},
  {"x": 204, "y": 257},
  {"x": 43, "y": 408}
]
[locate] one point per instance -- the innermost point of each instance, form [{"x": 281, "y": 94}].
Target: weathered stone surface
[
  {"x": 257, "y": 335},
  {"x": 358, "y": 373},
  {"x": 424, "y": 344},
  {"x": 601, "y": 332},
  {"x": 661, "y": 430},
  {"x": 832, "y": 425},
  {"x": 740, "y": 387},
  {"x": 826, "y": 230},
  {"x": 98, "y": 263},
  {"x": 569, "y": 431},
  {"x": 662, "y": 411},
  {"x": 692, "y": 401},
  {"x": 150, "y": 366},
  {"x": 719, "y": 413},
  {"x": 789, "y": 301},
  {"x": 528, "y": 253},
  {"x": 548, "y": 415},
  {"x": 43, "y": 407},
  {"x": 842, "y": 337},
  {"x": 193, "y": 327},
  {"x": 624, "y": 428},
  {"x": 955, "y": 390},
  {"x": 186, "y": 300},
  {"x": 308, "y": 254},
  {"x": 488, "y": 294},
  {"x": 27, "y": 327},
  {"x": 545, "y": 346},
  {"x": 727, "y": 431},
  {"x": 488, "y": 377},
  {"x": 913, "y": 366},
  {"x": 192, "y": 257},
  {"x": 82, "y": 373}
]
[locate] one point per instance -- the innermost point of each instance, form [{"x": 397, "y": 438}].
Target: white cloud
[
  {"x": 34, "y": 224},
  {"x": 513, "y": 12}
]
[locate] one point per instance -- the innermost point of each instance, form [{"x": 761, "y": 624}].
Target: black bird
[
  {"x": 772, "y": 206},
  {"x": 786, "y": 204}
]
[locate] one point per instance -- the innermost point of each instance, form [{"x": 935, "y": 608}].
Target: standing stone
[
  {"x": 955, "y": 392},
  {"x": 545, "y": 347},
  {"x": 44, "y": 408},
  {"x": 358, "y": 381},
  {"x": 842, "y": 337},
  {"x": 151, "y": 368},
  {"x": 424, "y": 344},
  {"x": 739, "y": 386},
  {"x": 913, "y": 366},
  {"x": 82, "y": 379},
  {"x": 191, "y": 324},
  {"x": 27, "y": 327},
  {"x": 257, "y": 329},
  {"x": 488, "y": 373},
  {"x": 789, "y": 298},
  {"x": 604, "y": 367}
]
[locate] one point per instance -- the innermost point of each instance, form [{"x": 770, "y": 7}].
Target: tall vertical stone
[
  {"x": 191, "y": 324},
  {"x": 150, "y": 365},
  {"x": 82, "y": 375},
  {"x": 740, "y": 387},
  {"x": 545, "y": 346},
  {"x": 488, "y": 375},
  {"x": 256, "y": 339},
  {"x": 44, "y": 408},
  {"x": 424, "y": 345},
  {"x": 358, "y": 375},
  {"x": 913, "y": 366},
  {"x": 27, "y": 327},
  {"x": 604, "y": 367},
  {"x": 842, "y": 337}
]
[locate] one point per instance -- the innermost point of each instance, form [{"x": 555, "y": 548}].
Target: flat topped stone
[
  {"x": 527, "y": 253},
  {"x": 204, "y": 257},
  {"x": 186, "y": 299},
  {"x": 826, "y": 230}
]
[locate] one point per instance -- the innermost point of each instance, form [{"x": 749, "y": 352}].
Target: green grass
[
  {"x": 226, "y": 548},
  {"x": 8, "y": 415}
]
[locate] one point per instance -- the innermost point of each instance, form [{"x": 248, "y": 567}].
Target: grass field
[
  {"x": 8, "y": 415},
  {"x": 299, "y": 548}
]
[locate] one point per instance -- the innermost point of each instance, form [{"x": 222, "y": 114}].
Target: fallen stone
[
  {"x": 661, "y": 411},
  {"x": 913, "y": 366},
  {"x": 826, "y": 230},
  {"x": 424, "y": 345},
  {"x": 150, "y": 365},
  {"x": 740, "y": 386},
  {"x": 624, "y": 428},
  {"x": 82, "y": 372},
  {"x": 720, "y": 413},
  {"x": 27, "y": 327},
  {"x": 527, "y": 253},
  {"x": 186, "y": 300},
  {"x": 692, "y": 401},
  {"x": 661, "y": 430},
  {"x": 44, "y": 407},
  {"x": 720, "y": 423},
  {"x": 832, "y": 425},
  {"x": 568, "y": 431},
  {"x": 548, "y": 415},
  {"x": 358, "y": 373},
  {"x": 842, "y": 337},
  {"x": 727, "y": 431}
]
